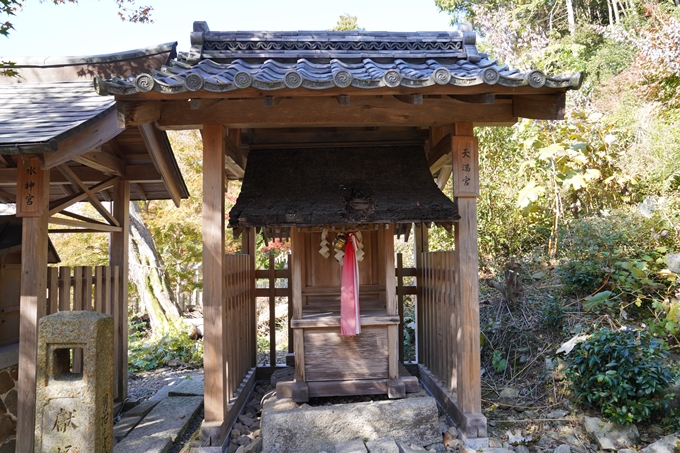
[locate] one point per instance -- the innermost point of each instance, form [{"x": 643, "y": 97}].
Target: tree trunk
[
  {"x": 148, "y": 274},
  {"x": 570, "y": 17}
]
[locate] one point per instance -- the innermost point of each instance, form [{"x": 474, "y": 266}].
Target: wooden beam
[
  {"x": 413, "y": 99},
  {"x": 233, "y": 148},
  {"x": 32, "y": 308},
  {"x": 161, "y": 154},
  {"x": 539, "y": 107},
  {"x": 254, "y": 93},
  {"x": 332, "y": 139},
  {"x": 272, "y": 101},
  {"x": 134, "y": 173},
  {"x": 443, "y": 177},
  {"x": 136, "y": 113},
  {"x": 295, "y": 283},
  {"x": 440, "y": 154},
  {"x": 66, "y": 171},
  {"x": 102, "y": 161},
  {"x": 483, "y": 98},
  {"x": 119, "y": 257},
  {"x": 420, "y": 246},
  {"x": 343, "y": 99},
  {"x": 216, "y": 399},
  {"x": 86, "y": 140},
  {"x": 391, "y": 303},
  {"x": 89, "y": 225},
  {"x": 7, "y": 197},
  {"x": 364, "y": 111},
  {"x": 63, "y": 203}
]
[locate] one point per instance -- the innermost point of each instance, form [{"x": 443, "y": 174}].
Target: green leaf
[
  {"x": 592, "y": 302},
  {"x": 550, "y": 151},
  {"x": 529, "y": 194}
]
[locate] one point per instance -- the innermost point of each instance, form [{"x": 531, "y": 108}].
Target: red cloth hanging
[{"x": 350, "y": 323}]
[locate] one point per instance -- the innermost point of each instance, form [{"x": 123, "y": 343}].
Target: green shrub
[
  {"x": 150, "y": 353},
  {"x": 623, "y": 373}
]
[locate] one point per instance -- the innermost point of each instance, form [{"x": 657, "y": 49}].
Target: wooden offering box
[{"x": 327, "y": 363}]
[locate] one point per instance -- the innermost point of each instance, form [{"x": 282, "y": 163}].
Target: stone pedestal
[{"x": 74, "y": 408}]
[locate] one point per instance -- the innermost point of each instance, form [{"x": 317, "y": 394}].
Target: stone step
[{"x": 167, "y": 421}]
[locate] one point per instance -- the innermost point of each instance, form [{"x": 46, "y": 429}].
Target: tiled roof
[
  {"x": 268, "y": 61},
  {"x": 35, "y": 117}
]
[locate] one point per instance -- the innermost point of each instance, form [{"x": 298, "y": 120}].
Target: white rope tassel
[{"x": 324, "y": 250}]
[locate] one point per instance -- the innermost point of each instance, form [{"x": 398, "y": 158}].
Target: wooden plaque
[
  {"x": 30, "y": 191},
  {"x": 465, "y": 166}
]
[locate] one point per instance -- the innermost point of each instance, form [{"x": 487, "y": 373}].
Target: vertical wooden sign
[
  {"x": 465, "y": 166},
  {"x": 30, "y": 191}
]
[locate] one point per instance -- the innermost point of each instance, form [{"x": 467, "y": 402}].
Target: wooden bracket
[
  {"x": 414, "y": 99},
  {"x": 484, "y": 98}
]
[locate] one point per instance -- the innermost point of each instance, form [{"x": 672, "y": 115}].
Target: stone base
[{"x": 290, "y": 428}]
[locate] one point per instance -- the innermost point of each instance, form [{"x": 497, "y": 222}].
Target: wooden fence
[
  {"x": 272, "y": 292},
  {"x": 239, "y": 308},
  {"x": 437, "y": 311},
  {"x": 90, "y": 288}
]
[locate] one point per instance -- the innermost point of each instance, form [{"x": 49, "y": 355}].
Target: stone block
[
  {"x": 6, "y": 382},
  {"x": 188, "y": 386},
  {"x": 141, "y": 410},
  {"x": 396, "y": 389},
  {"x": 350, "y": 446},
  {"x": 384, "y": 445},
  {"x": 164, "y": 424},
  {"x": 253, "y": 447},
  {"x": 124, "y": 426},
  {"x": 287, "y": 428},
  {"x": 74, "y": 407}
]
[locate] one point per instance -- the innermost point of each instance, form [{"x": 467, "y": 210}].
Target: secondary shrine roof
[
  {"x": 318, "y": 60},
  {"x": 339, "y": 186},
  {"x": 35, "y": 117}
]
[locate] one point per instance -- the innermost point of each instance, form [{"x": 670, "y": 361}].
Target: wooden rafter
[
  {"x": 95, "y": 226},
  {"x": 133, "y": 173},
  {"x": 84, "y": 141},
  {"x": 440, "y": 154},
  {"x": 63, "y": 203},
  {"x": 68, "y": 173},
  {"x": 162, "y": 158},
  {"x": 102, "y": 161}
]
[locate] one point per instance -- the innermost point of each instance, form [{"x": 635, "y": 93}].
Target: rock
[
  {"x": 254, "y": 447},
  {"x": 350, "y": 446},
  {"x": 443, "y": 427},
  {"x": 521, "y": 449},
  {"x": 509, "y": 395},
  {"x": 240, "y": 449},
  {"x": 11, "y": 402},
  {"x": 610, "y": 436},
  {"x": 235, "y": 433},
  {"x": 8, "y": 447},
  {"x": 243, "y": 440},
  {"x": 564, "y": 448},
  {"x": 383, "y": 445},
  {"x": 288, "y": 428},
  {"x": 436, "y": 447},
  {"x": 450, "y": 441},
  {"x": 8, "y": 427},
  {"x": 674, "y": 403},
  {"x": 558, "y": 413},
  {"x": 6, "y": 382},
  {"x": 627, "y": 450},
  {"x": 495, "y": 443},
  {"x": 668, "y": 444},
  {"x": 673, "y": 262},
  {"x": 3, "y": 409},
  {"x": 247, "y": 421},
  {"x": 496, "y": 450}
]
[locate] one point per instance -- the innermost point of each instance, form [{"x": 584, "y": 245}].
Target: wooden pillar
[
  {"x": 214, "y": 357},
  {"x": 32, "y": 303},
  {"x": 420, "y": 239},
  {"x": 248, "y": 239},
  {"x": 467, "y": 379},
  {"x": 118, "y": 256},
  {"x": 300, "y": 387}
]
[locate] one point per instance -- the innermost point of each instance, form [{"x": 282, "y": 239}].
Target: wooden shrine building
[
  {"x": 61, "y": 144},
  {"x": 334, "y": 132}
]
